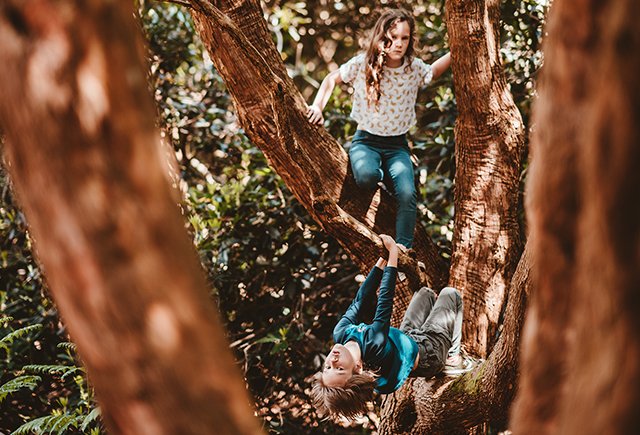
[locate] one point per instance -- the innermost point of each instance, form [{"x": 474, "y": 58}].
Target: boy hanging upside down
[{"x": 376, "y": 356}]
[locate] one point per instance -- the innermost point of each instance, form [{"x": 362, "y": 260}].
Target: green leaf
[
  {"x": 93, "y": 416},
  {"x": 270, "y": 338},
  {"x": 15, "y": 384},
  {"x": 49, "y": 368},
  {"x": 9, "y": 338}
]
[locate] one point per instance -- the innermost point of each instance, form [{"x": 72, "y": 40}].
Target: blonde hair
[
  {"x": 375, "y": 57},
  {"x": 349, "y": 400}
]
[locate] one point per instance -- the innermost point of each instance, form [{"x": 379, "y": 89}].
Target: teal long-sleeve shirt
[{"x": 384, "y": 349}]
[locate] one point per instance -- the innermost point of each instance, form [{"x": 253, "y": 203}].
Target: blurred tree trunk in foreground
[
  {"x": 581, "y": 353},
  {"x": 315, "y": 167},
  {"x": 88, "y": 168}
]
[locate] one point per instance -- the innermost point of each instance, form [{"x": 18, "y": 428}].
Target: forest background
[{"x": 278, "y": 280}]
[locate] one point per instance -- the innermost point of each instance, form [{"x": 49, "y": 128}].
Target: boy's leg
[
  {"x": 366, "y": 164},
  {"x": 446, "y": 317},
  {"x": 399, "y": 166},
  {"x": 419, "y": 308},
  {"x": 456, "y": 338}
]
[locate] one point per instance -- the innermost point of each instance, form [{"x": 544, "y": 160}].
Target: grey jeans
[{"x": 436, "y": 325}]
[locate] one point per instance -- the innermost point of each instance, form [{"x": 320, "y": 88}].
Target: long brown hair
[{"x": 375, "y": 57}]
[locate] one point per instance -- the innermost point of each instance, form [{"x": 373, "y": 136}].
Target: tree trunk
[
  {"x": 581, "y": 370},
  {"x": 489, "y": 145},
  {"x": 316, "y": 170},
  {"x": 89, "y": 171},
  {"x": 311, "y": 163}
]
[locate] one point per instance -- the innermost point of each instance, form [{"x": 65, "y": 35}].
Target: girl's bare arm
[
  {"x": 314, "y": 112},
  {"x": 441, "y": 65}
]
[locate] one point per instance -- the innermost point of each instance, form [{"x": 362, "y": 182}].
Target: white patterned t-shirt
[{"x": 396, "y": 111}]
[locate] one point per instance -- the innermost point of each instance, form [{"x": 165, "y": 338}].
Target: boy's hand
[
  {"x": 314, "y": 115},
  {"x": 388, "y": 242},
  {"x": 392, "y": 247}
]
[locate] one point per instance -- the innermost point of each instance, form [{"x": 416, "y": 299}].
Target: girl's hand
[{"x": 314, "y": 115}]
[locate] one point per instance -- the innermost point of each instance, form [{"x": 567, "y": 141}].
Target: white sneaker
[{"x": 457, "y": 365}]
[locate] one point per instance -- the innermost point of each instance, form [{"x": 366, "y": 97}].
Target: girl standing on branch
[{"x": 386, "y": 80}]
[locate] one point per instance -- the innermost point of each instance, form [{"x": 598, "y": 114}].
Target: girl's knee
[
  {"x": 407, "y": 195},
  {"x": 367, "y": 178}
]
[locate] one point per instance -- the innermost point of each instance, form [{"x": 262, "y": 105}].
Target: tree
[
  {"x": 315, "y": 168},
  {"x": 71, "y": 161},
  {"x": 580, "y": 366},
  {"x": 489, "y": 148},
  {"x": 87, "y": 163}
]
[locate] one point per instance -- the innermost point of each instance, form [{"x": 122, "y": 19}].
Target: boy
[{"x": 375, "y": 356}]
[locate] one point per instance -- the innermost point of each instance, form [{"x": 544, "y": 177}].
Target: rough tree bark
[
  {"x": 315, "y": 168},
  {"x": 581, "y": 351},
  {"x": 88, "y": 168},
  {"x": 489, "y": 146}
]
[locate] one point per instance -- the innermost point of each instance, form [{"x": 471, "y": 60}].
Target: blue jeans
[{"x": 375, "y": 157}]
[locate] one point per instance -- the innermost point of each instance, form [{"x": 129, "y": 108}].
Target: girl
[
  {"x": 375, "y": 356},
  {"x": 386, "y": 80}
]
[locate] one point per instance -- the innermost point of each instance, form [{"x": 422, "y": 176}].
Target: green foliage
[
  {"x": 19, "y": 333},
  {"x": 272, "y": 272},
  {"x": 280, "y": 340},
  {"x": 74, "y": 410},
  {"x": 90, "y": 420},
  {"x": 50, "y": 424},
  {"x": 52, "y": 369},
  {"x": 41, "y": 387},
  {"x": 15, "y": 384}
]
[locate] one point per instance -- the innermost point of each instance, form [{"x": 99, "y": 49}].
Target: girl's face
[{"x": 397, "y": 42}]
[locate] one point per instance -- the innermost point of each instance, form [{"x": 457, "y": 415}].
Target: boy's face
[{"x": 339, "y": 367}]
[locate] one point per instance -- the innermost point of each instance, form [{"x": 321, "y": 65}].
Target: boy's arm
[
  {"x": 366, "y": 292},
  {"x": 382, "y": 319},
  {"x": 441, "y": 65},
  {"x": 314, "y": 112}
]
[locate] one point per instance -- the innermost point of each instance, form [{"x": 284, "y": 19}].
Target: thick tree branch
[
  {"x": 489, "y": 146},
  {"x": 580, "y": 362}
]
